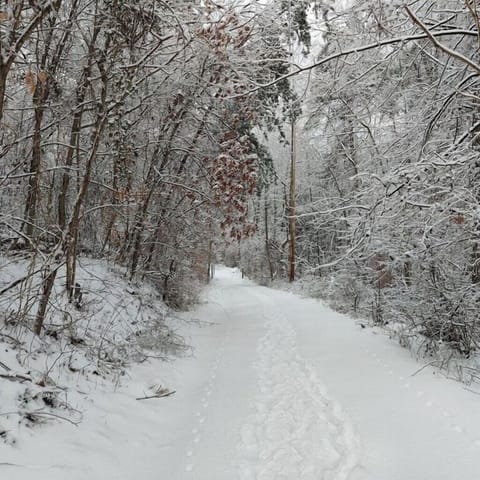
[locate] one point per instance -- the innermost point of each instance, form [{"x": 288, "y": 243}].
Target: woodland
[{"x": 334, "y": 144}]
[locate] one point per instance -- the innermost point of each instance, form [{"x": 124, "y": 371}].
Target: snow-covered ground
[{"x": 277, "y": 388}]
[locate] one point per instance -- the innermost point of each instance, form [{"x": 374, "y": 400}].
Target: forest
[{"x": 334, "y": 144}]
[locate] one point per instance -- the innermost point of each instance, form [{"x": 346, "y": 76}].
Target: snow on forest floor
[{"x": 277, "y": 388}]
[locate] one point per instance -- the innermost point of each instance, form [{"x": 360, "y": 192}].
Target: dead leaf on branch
[
  {"x": 30, "y": 82},
  {"x": 42, "y": 76}
]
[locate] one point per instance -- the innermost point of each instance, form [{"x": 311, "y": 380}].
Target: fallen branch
[
  {"x": 5, "y": 367},
  {"x": 16, "y": 377},
  {"x": 54, "y": 415},
  {"x": 167, "y": 394},
  {"x": 19, "y": 280},
  {"x": 38, "y": 413},
  {"x": 433, "y": 363}
]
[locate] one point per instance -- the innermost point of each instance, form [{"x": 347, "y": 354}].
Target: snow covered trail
[
  {"x": 304, "y": 393},
  {"x": 277, "y": 388},
  {"x": 297, "y": 431},
  {"x": 262, "y": 414}
]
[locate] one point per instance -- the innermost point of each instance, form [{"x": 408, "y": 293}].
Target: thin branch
[
  {"x": 362, "y": 48},
  {"x": 445, "y": 49},
  {"x": 54, "y": 415},
  {"x": 18, "y": 281},
  {"x": 167, "y": 394},
  {"x": 342, "y": 258},
  {"x": 16, "y": 377},
  {"x": 332, "y": 210},
  {"x": 5, "y": 367},
  {"x": 474, "y": 13}
]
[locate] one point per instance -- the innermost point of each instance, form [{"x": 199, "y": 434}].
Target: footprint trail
[{"x": 295, "y": 430}]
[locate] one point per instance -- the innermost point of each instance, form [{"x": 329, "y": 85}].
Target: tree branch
[
  {"x": 362, "y": 48},
  {"x": 447, "y": 50},
  {"x": 167, "y": 394}
]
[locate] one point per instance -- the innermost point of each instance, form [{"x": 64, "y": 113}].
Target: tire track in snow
[{"x": 296, "y": 431}]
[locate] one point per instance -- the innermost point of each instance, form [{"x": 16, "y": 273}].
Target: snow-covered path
[
  {"x": 277, "y": 388},
  {"x": 294, "y": 391},
  {"x": 262, "y": 413},
  {"x": 297, "y": 431}
]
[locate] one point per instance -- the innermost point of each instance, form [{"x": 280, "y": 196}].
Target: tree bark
[
  {"x": 35, "y": 163},
  {"x": 267, "y": 240},
  {"x": 48, "y": 282},
  {"x": 291, "y": 207}
]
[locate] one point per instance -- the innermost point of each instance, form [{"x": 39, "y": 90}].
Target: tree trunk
[
  {"x": 33, "y": 190},
  {"x": 291, "y": 207},
  {"x": 3, "y": 88},
  {"x": 75, "y": 132},
  {"x": 267, "y": 240},
  {"x": 48, "y": 282},
  {"x": 139, "y": 226},
  {"x": 71, "y": 236},
  {"x": 62, "y": 196}
]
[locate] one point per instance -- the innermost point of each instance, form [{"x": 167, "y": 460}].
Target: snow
[{"x": 276, "y": 388}]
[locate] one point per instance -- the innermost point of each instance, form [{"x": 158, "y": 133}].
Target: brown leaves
[
  {"x": 124, "y": 195},
  {"x": 223, "y": 34},
  {"x": 383, "y": 276},
  {"x": 234, "y": 181},
  {"x": 458, "y": 219},
  {"x": 3, "y": 16},
  {"x": 42, "y": 77},
  {"x": 230, "y": 135},
  {"x": 31, "y": 80}
]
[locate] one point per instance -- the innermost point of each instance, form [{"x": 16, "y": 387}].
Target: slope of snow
[{"x": 276, "y": 388}]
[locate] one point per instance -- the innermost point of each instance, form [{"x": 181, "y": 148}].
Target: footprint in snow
[{"x": 294, "y": 421}]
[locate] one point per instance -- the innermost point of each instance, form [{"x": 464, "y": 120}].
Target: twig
[
  {"x": 6, "y": 367},
  {"x": 472, "y": 391},
  {"x": 16, "y": 377},
  {"x": 167, "y": 394},
  {"x": 39, "y": 414},
  {"x": 20, "y": 280},
  {"x": 429, "y": 364},
  {"x": 12, "y": 339},
  {"x": 432, "y": 36},
  {"x": 356, "y": 50}
]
